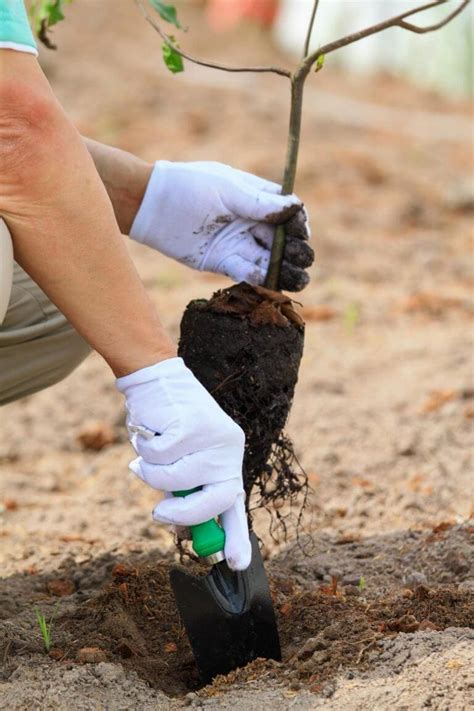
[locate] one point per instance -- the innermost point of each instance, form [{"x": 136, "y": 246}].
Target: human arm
[
  {"x": 206, "y": 215},
  {"x": 66, "y": 237},
  {"x": 56, "y": 207},
  {"x": 125, "y": 177}
]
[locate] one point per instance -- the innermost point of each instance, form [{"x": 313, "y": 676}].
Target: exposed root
[{"x": 282, "y": 481}]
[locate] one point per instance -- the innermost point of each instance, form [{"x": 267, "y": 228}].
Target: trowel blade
[{"x": 228, "y": 616}]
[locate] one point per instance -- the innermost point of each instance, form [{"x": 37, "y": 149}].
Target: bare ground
[{"x": 382, "y": 419}]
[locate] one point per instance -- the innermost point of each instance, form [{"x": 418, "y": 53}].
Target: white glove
[
  {"x": 215, "y": 218},
  {"x": 189, "y": 442}
]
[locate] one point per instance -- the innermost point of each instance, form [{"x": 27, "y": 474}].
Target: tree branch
[
  {"x": 298, "y": 78},
  {"x": 310, "y": 29},
  {"x": 429, "y": 28},
  {"x": 297, "y": 85},
  {"x": 294, "y": 131},
  {"x": 201, "y": 62},
  {"x": 398, "y": 21}
]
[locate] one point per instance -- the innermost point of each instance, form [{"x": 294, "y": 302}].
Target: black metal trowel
[{"x": 228, "y": 616}]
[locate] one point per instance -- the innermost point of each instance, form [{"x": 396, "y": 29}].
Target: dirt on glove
[{"x": 245, "y": 346}]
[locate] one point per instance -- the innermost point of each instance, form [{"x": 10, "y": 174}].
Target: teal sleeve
[{"x": 15, "y": 30}]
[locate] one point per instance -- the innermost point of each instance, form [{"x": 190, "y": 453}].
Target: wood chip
[
  {"x": 61, "y": 587},
  {"x": 96, "y": 435},
  {"x": 91, "y": 655},
  {"x": 318, "y": 313},
  {"x": 437, "y": 399}
]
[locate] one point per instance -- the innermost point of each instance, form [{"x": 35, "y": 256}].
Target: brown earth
[
  {"x": 375, "y": 599},
  {"x": 245, "y": 346}
]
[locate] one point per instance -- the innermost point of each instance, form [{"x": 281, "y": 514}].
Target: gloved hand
[
  {"x": 197, "y": 445},
  {"x": 215, "y": 218}
]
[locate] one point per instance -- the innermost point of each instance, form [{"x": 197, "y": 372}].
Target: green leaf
[
  {"x": 44, "y": 14},
  {"x": 172, "y": 59},
  {"x": 44, "y": 629},
  {"x": 361, "y": 584},
  {"x": 167, "y": 13},
  {"x": 55, "y": 13},
  {"x": 48, "y": 12},
  {"x": 319, "y": 63}
]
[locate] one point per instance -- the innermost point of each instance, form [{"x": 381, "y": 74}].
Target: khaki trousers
[{"x": 38, "y": 346}]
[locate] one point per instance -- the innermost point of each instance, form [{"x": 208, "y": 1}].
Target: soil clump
[{"x": 245, "y": 346}]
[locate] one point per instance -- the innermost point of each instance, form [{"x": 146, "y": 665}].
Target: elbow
[{"x": 28, "y": 121}]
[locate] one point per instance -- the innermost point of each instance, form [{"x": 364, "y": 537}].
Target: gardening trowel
[{"x": 228, "y": 616}]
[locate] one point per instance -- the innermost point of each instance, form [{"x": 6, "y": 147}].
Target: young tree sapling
[
  {"x": 245, "y": 343},
  {"x": 298, "y": 78}
]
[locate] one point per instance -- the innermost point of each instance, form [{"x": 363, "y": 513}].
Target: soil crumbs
[
  {"x": 135, "y": 622},
  {"x": 124, "y": 623}
]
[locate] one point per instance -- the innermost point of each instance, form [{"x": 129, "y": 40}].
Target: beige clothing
[
  {"x": 38, "y": 346},
  {"x": 6, "y": 268}
]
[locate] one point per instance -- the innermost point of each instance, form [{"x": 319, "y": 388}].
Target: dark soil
[
  {"x": 338, "y": 631},
  {"x": 245, "y": 346},
  {"x": 122, "y": 610},
  {"x": 135, "y": 622}
]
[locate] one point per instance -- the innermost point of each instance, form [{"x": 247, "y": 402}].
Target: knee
[{"x": 39, "y": 364}]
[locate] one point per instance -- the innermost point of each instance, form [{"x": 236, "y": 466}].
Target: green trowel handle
[{"x": 208, "y": 537}]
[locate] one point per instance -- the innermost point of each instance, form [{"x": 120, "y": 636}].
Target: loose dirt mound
[
  {"x": 121, "y": 614},
  {"x": 133, "y": 621}
]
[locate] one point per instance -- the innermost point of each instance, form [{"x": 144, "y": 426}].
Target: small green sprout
[
  {"x": 319, "y": 64},
  {"x": 361, "y": 584},
  {"x": 351, "y": 317},
  {"x": 46, "y": 628}
]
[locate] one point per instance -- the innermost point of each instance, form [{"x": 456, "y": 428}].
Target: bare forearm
[
  {"x": 125, "y": 178},
  {"x": 56, "y": 208}
]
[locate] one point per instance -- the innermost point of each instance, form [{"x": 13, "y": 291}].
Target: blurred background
[
  {"x": 437, "y": 60},
  {"x": 382, "y": 417},
  {"x": 441, "y": 61}
]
